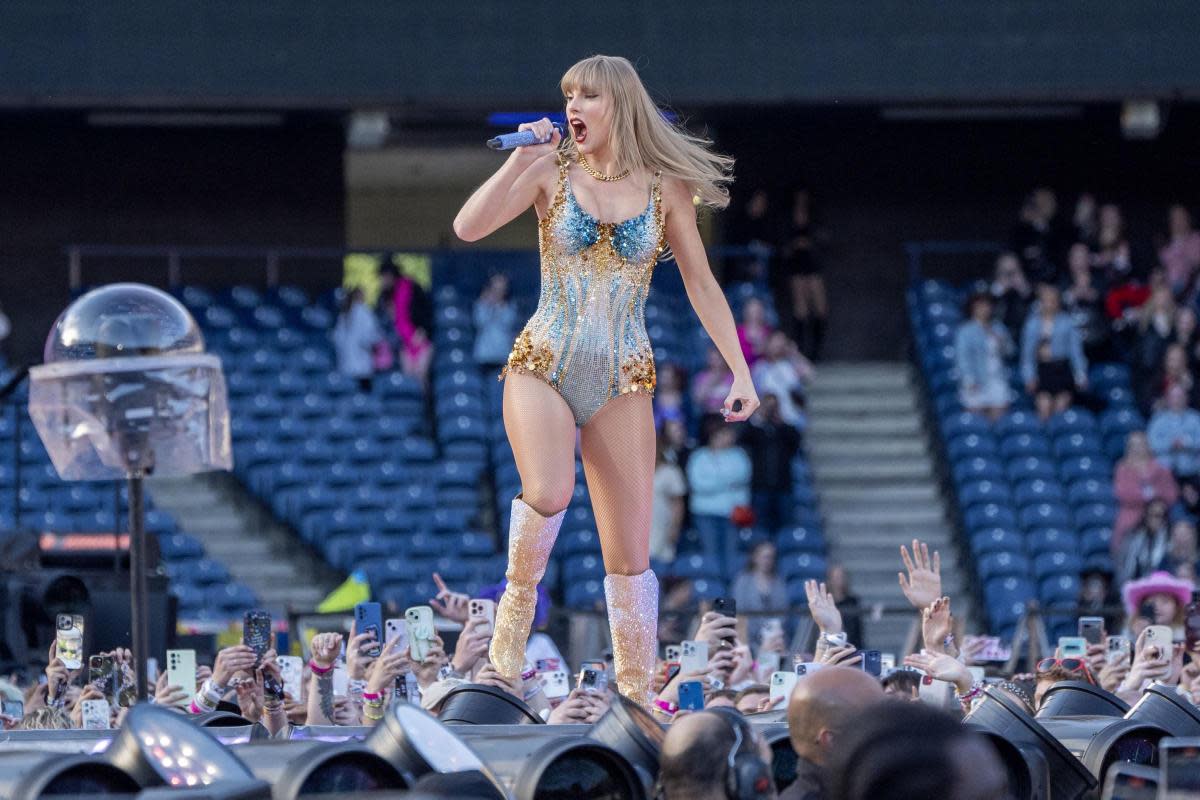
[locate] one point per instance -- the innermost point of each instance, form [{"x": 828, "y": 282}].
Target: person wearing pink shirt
[
  {"x": 1180, "y": 256},
  {"x": 1139, "y": 479}
]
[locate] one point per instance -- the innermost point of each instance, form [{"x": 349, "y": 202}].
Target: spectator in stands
[
  {"x": 782, "y": 371},
  {"x": 753, "y": 330},
  {"x": 981, "y": 347},
  {"x": 914, "y": 752},
  {"x": 1174, "y": 435},
  {"x": 1162, "y": 595},
  {"x": 719, "y": 479},
  {"x": 758, "y": 587},
  {"x": 416, "y": 355},
  {"x": 1035, "y": 239},
  {"x": 1111, "y": 254},
  {"x": 1180, "y": 254},
  {"x": 667, "y": 511},
  {"x": 753, "y": 229},
  {"x": 848, "y": 604},
  {"x": 407, "y": 306},
  {"x": 677, "y": 446},
  {"x": 1098, "y": 595},
  {"x": 496, "y": 320},
  {"x": 1187, "y": 335},
  {"x": 354, "y": 339},
  {"x": 1139, "y": 479},
  {"x": 1012, "y": 293},
  {"x": 807, "y": 299},
  {"x": 697, "y": 753},
  {"x": 1155, "y": 330},
  {"x": 772, "y": 444},
  {"x": 1084, "y": 301},
  {"x": 1146, "y": 545},
  {"x": 1052, "y": 362},
  {"x": 1084, "y": 226},
  {"x": 1180, "y": 559},
  {"x": 668, "y": 394},
  {"x": 711, "y": 385},
  {"x": 819, "y": 712}
]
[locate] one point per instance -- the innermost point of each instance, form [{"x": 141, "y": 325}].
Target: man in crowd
[{"x": 694, "y": 764}]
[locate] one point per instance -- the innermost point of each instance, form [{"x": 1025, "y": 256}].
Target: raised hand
[
  {"x": 472, "y": 645},
  {"x": 489, "y": 676},
  {"x": 548, "y": 136},
  {"x": 325, "y": 649},
  {"x": 824, "y": 611},
  {"x": 923, "y": 584},
  {"x": 231, "y": 661},
  {"x": 845, "y": 655},
  {"x": 715, "y": 628},
  {"x": 942, "y": 667},
  {"x": 165, "y": 695},
  {"x": 387, "y": 667},
  {"x": 451, "y": 605},
  {"x": 936, "y": 625},
  {"x": 357, "y": 661}
]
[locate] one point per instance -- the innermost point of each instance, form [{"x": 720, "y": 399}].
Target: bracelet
[
  {"x": 356, "y": 686},
  {"x": 527, "y": 675},
  {"x": 372, "y": 717},
  {"x": 975, "y": 690},
  {"x": 534, "y": 691},
  {"x": 666, "y": 707},
  {"x": 369, "y": 696},
  {"x": 317, "y": 669}
]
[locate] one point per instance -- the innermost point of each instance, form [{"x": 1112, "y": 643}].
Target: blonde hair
[{"x": 642, "y": 138}]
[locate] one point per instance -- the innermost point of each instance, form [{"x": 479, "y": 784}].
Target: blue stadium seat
[
  {"x": 696, "y": 565},
  {"x": 969, "y": 446},
  {"x": 1076, "y": 467},
  {"x": 233, "y": 597},
  {"x": 1077, "y": 445},
  {"x": 1006, "y": 599},
  {"x": 988, "y": 516},
  {"x": 1056, "y": 563},
  {"x": 1002, "y": 565},
  {"x": 206, "y": 571},
  {"x": 984, "y": 492},
  {"x": 1030, "y": 468},
  {"x": 1046, "y": 540},
  {"x": 1073, "y": 420},
  {"x": 1059, "y": 590},
  {"x": 586, "y": 595},
  {"x": 180, "y": 546},
  {"x": 1039, "y": 491},
  {"x": 799, "y": 539},
  {"x": 582, "y": 567},
  {"x": 1094, "y": 515},
  {"x": 1023, "y": 445},
  {"x": 1090, "y": 490},
  {"x": 582, "y": 540},
  {"x": 1045, "y": 515},
  {"x": 801, "y": 566},
  {"x": 1018, "y": 422},
  {"x": 1121, "y": 421},
  {"x": 963, "y": 424},
  {"x": 1095, "y": 542},
  {"x": 979, "y": 469},
  {"x": 995, "y": 540}
]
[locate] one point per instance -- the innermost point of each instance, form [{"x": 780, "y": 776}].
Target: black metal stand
[{"x": 139, "y": 594}]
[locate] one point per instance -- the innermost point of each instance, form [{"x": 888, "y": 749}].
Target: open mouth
[{"x": 578, "y": 130}]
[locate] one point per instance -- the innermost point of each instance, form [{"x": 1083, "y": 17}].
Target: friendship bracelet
[
  {"x": 318, "y": 670},
  {"x": 369, "y": 696},
  {"x": 666, "y": 707},
  {"x": 372, "y": 717},
  {"x": 975, "y": 690}
]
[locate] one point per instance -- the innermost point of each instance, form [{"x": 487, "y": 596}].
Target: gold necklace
[{"x": 597, "y": 174}]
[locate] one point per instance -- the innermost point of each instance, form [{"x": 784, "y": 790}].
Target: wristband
[
  {"x": 666, "y": 707},
  {"x": 975, "y": 690},
  {"x": 372, "y": 717},
  {"x": 372, "y": 696},
  {"x": 356, "y": 686},
  {"x": 527, "y": 675},
  {"x": 318, "y": 670}
]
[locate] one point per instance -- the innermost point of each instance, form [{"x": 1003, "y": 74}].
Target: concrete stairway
[
  {"x": 239, "y": 533},
  {"x": 875, "y": 478}
]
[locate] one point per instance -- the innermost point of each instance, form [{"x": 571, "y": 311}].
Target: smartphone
[
  {"x": 1091, "y": 629},
  {"x": 805, "y": 667},
  {"x": 480, "y": 608},
  {"x": 1159, "y": 637},
  {"x": 1072, "y": 647},
  {"x": 341, "y": 681},
  {"x": 1117, "y": 647},
  {"x": 291, "y": 668},
  {"x": 418, "y": 620},
  {"x": 555, "y": 684},
  {"x": 1179, "y": 764},
  {"x": 102, "y": 673},
  {"x": 593, "y": 681},
  {"x": 782, "y": 684},
  {"x": 368, "y": 618},
  {"x": 728, "y": 607},
  {"x": 671, "y": 653},
  {"x": 96, "y": 715},
  {"x": 871, "y": 662},
  {"x": 769, "y": 662},
  {"x": 1131, "y": 782},
  {"x": 69, "y": 639},
  {"x": 283, "y": 643},
  {"x": 13, "y": 709},
  {"x": 693, "y": 656},
  {"x": 272, "y": 688},
  {"x": 127, "y": 694},
  {"x": 181, "y": 672},
  {"x": 691, "y": 695},
  {"x": 887, "y": 661},
  {"x": 394, "y": 628},
  {"x": 598, "y": 664},
  {"x": 256, "y": 633},
  {"x": 152, "y": 670}
]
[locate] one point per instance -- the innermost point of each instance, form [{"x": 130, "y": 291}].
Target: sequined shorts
[{"x": 588, "y": 380}]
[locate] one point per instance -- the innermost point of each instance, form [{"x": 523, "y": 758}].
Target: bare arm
[
  {"x": 705, "y": 294},
  {"x": 523, "y": 179}
]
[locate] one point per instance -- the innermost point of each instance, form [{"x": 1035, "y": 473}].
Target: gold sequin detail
[
  {"x": 638, "y": 373},
  {"x": 528, "y": 357},
  {"x": 633, "y": 623}
]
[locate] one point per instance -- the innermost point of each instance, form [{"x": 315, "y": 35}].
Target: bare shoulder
[{"x": 675, "y": 193}]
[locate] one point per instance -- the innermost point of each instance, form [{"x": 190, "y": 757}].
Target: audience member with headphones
[{"x": 715, "y": 755}]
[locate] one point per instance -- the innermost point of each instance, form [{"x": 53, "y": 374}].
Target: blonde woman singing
[{"x": 610, "y": 199}]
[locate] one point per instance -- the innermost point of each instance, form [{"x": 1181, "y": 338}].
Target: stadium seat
[
  {"x": 1038, "y": 491},
  {"x": 1002, "y": 565},
  {"x": 1046, "y": 540},
  {"x": 995, "y": 540},
  {"x": 1045, "y": 515}
]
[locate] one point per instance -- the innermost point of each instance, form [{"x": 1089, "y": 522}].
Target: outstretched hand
[
  {"x": 822, "y": 607},
  {"x": 936, "y": 623},
  {"x": 451, "y": 605},
  {"x": 923, "y": 584},
  {"x": 743, "y": 393}
]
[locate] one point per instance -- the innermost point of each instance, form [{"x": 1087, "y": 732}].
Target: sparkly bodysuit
[{"x": 587, "y": 338}]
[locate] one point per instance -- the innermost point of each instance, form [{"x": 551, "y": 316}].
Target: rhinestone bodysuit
[{"x": 587, "y": 338}]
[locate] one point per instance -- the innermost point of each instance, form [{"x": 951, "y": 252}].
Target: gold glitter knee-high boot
[
  {"x": 530, "y": 539},
  {"x": 633, "y": 622}
]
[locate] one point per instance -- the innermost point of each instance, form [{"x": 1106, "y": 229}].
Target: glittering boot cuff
[{"x": 633, "y": 621}]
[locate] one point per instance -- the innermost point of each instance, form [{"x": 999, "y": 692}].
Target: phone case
[
  {"x": 1118, "y": 645},
  {"x": 181, "y": 672},
  {"x": 671, "y": 652},
  {"x": 418, "y": 620},
  {"x": 693, "y": 657},
  {"x": 256, "y": 632},
  {"x": 871, "y": 662},
  {"x": 396, "y": 629},
  {"x": 102, "y": 673},
  {"x": 291, "y": 669},
  {"x": 483, "y": 608},
  {"x": 368, "y": 618},
  {"x": 13, "y": 709},
  {"x": 1072, "y": 646},
  {"x": 691, "y": 695},
  {"x": 555, "y": 684},
  {"x": 782, "y": 684},
  {"x": 69, "y": 639},
  {"x": 341, "y": 681},
  {"x": 95, "y": 715}
]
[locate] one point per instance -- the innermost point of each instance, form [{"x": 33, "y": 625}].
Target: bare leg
[
  {"x": 618, "y": 459},
  {"x": 541, "y": 430},
  {"x": 1045, "y": 404},
  {"x": 1062, "y": 401}
]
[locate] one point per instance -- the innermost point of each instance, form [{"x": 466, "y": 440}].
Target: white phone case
[
  {"x": 556, "y": 683},
  {"x": 393, "y": 628},
  {"x": 782, "y": 684},
  {"x": 693, "y": 657},
  {"x": 671, "y": 653},
  {"x": 291, "y": 669},
  {"x": 486, "y": 609},
  {"x": 95, "y": 715},
  {"x": 419, "y": 622},
  {"x": 341, "y": 681},
  {"x": 181, "y": 672}
]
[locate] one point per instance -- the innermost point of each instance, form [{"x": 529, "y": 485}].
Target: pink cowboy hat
[{"x": 1135, "y": 592}]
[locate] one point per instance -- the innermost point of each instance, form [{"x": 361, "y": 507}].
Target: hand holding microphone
[{"x": 535, "y": 138}]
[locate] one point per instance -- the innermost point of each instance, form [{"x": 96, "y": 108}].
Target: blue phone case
[
  {"x": 691, "y": 695},
  {"x": 369, "y": 617}
]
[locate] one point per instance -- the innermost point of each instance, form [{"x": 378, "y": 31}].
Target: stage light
[
  {"x": 999, "y": 715},
  {"x": 25, "y": 775},
  {"x": 417, "y": 744},
  {"x": 1160, "y": 705},
  {"x": 542, "y": 764},
  {"x": 630, "y": 730},
  {"x": 1080, "y": 698},
  {"x": 296, "y": 769},
  {"x": 1028, "y": 773},
  {"x": 1099, "y": 741},
  {"x": 158, "y": 747},
  {"x": 476, "y": 704}
]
